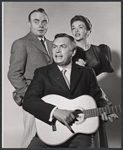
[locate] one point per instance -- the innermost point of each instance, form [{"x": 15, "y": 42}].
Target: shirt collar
[
  {"x": 68, "y": 67},
  {"x": 41, "y": 39}
]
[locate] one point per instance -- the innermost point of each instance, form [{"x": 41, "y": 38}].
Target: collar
[
  {"x": 41, "y": 39},
  {"x": 68, "y": 67}
]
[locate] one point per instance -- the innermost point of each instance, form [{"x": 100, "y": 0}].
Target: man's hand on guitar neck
[
  {"x": 66, "y": 117},
  {"x": 110, "y": 117}
]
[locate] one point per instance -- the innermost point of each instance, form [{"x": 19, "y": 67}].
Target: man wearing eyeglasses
[{"x": 28, "y": 53}]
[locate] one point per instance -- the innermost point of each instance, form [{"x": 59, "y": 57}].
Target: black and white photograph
[{"x": 61, "y": 74}]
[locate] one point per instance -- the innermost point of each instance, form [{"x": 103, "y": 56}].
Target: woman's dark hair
[{"x": 83, "y": 19}]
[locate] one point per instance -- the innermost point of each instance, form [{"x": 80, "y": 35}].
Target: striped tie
[{"x": 66, "y": 79}]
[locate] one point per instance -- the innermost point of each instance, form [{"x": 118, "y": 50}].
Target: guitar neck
[{"x": 98, "y": 111}]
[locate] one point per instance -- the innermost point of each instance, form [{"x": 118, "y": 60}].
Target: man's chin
[
  {"x": 59, "y": 63},
  {"x": 40, "y": 35}
]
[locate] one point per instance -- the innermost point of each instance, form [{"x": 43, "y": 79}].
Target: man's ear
[
  {"x": 29, "y": 24},
  {"x": 74, "y": 52}
]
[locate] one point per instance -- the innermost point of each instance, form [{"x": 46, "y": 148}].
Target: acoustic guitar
[{"x": 87, "y": 118}]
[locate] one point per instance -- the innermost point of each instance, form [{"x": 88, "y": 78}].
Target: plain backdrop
[{"x": 106, "y": 20}]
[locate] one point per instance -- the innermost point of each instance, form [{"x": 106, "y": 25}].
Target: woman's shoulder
[
  {"x": 94, "y": 48},
  {"x": 103, "y": 48}
]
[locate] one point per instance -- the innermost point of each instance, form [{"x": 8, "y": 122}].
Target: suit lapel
[
  {"x": 49, "y": 46},
  {"x": 34, "y": 40},
  {"x": 57, "y": 76},
  {"x": 76, "y": 73}
]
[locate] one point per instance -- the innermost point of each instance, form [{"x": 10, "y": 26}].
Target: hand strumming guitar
[
  {"x": 68, "y": 118},
  {"x": 65, "y": 116}
]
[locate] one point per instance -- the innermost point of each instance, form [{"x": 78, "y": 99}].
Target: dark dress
[{"x": 98, "y": 58}]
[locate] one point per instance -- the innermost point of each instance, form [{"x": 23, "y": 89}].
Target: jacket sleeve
[
  {"x": 97, "y": 93},
  {"x": 17, "y": 67},
  {"x": 33, "y": 102}
]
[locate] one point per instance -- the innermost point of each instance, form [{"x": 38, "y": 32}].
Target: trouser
[{"x": 77, "y": 141}]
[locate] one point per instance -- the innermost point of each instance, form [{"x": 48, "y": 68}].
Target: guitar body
[{"x": 62, "y": 133}]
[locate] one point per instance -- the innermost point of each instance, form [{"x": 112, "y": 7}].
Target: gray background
[{"x": 106, "y": 21}]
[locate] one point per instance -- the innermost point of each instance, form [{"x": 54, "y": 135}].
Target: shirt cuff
[{"x": 51, "y": 114}]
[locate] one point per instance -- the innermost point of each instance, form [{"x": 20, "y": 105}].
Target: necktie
[
  {"x": 66, "y": 79},
  {"x": 43, "y": 45}
]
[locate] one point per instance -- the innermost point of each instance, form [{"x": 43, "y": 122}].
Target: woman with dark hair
[{"x": 97, "y": 57}]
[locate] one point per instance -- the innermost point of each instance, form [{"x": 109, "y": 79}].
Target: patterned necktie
[{"x": 66, "y": 79}]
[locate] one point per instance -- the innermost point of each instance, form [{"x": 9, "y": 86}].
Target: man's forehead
[
  {"x": 39, "y": 15},
  {"x": 61, "y": 41}
]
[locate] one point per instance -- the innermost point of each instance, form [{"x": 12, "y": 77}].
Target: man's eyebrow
[
  {"x": 54, "y": 44},
  {"x": 44, "y": 20},
  {"x": 36, "y": 19}
]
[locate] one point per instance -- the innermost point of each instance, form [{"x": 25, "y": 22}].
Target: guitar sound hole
[
  {"x": 77, "y": 111},
  {"x": 79, "y": 116}
]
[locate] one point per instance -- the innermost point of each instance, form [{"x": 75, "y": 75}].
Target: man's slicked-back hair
[
  {"x": 41, "y": 10},
  {"x": 64, "y": 35},
  {"x": 68, "y": 36}
]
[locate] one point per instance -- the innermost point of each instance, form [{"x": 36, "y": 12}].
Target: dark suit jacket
[
  {"x": 27, "y": 54},
  {"x": 49, "y": 80}
]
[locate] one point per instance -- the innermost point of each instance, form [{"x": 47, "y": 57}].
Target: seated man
[{"x": 66, "y": 79}]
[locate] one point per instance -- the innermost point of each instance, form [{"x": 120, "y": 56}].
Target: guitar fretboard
[{"x": 98, "y": 111}]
